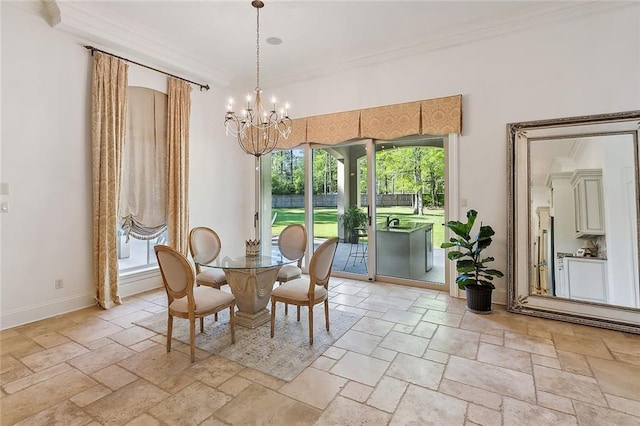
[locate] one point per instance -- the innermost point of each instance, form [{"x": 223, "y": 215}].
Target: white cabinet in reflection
[
  {"x": 589, "y": 202},
  {"x": 582, "y": 278}
]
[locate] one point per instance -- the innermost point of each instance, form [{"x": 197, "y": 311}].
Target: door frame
[{"x": 452, "y": 204}]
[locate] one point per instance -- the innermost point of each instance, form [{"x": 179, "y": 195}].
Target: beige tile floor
[{"x": 416, "y": 357}]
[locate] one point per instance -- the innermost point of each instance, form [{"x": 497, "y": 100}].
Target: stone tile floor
[{"x": 415, "y": 357}]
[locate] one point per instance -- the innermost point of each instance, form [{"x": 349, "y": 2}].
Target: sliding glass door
[
  {"x": 340, "y": 204},
  {"x": 410, "y": 192},
  {"x": 385, "y": 201}
]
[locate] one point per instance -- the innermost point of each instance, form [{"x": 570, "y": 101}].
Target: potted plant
[
  {"x": 352, "y": 220},
  {"x": 474, "y": 276}
]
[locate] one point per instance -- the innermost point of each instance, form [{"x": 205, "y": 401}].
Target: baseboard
[
  {"x": 129, "y": 286},
  {"x": 42, "y": 311},
  {"x": 499, "y": 297},
  {"x": 140, "y": 282}
]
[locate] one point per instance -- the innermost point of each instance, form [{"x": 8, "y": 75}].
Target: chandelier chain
[{"x": 258, "y": 48}]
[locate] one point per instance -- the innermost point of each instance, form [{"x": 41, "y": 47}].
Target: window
[{"x": 142, "y": 211}]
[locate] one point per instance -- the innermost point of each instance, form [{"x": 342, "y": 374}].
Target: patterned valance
[
  {"x": 442, "y": 116},
  {"x": 439, "y": 116},
  {"x": 298, "y": 134},
  {"x": 331, "y": 129},
  {"x": 392, "y": 121}
]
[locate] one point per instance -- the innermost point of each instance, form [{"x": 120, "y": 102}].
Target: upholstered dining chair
[
  {"x": 292, "y": 243},
  {"x": 311, "y": 291},
  {"x": 187, "y": 301},
  {"x": 205, "y": 245}
]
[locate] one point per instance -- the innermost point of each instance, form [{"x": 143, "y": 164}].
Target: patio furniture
[{"x": 359, "y": 250}]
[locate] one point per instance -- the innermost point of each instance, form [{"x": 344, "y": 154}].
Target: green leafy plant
[
  {"x": 471, "y": 266},
  {"x": 353, "y": 219}
]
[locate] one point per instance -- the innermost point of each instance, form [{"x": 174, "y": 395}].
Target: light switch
[
  {"x": 4, "y": 207},
  {"x": 4, "y": 188},
  {"x": 463, "y": 202}
]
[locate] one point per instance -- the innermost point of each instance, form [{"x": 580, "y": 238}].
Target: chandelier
[{"x": 257, "y": 128}]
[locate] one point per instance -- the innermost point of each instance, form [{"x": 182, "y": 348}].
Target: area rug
[{"x": 285, "y": 356}]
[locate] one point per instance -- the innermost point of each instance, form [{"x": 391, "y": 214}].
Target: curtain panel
[
  {"x": 108, "y": 117},
  {"x": 440, "y": 116},
  {"x": 143, "y": 194},
  {"x": 179, "y": 110}
]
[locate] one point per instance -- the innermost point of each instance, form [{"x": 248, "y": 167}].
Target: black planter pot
[
  {"x": 478, "y": 298},
  {"x": 352, "y": 238}
]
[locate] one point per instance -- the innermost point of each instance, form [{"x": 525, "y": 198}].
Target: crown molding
[
  {"x": 34, "y": 7},
  {"x": 90, "y": 23},
  {"x": 117, "y": 34},
  {"x": 514, "y": 22}
]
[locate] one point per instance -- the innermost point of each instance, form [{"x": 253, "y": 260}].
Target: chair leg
[
  {"x": 286, "y": 305},
  {"x": 201, "y": 324},
  {"x": 232, "y": 316},
  {"x": 273, "y": 316},
  {"x": 298, "y": 312},
  {"x": 192, "y": 338},
  {"x": 169, "y": 332},
  {"x": 326, "y": 313},
  {"x": 310, "y": 324}
]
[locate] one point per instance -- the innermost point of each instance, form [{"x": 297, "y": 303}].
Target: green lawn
[{"x": 325, "y": 220}]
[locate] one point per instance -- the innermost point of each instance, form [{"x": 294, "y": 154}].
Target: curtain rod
[{"x": 93, "y": 49}]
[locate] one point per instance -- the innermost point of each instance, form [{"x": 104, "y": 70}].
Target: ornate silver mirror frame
[{"x": 522, "y": 295}]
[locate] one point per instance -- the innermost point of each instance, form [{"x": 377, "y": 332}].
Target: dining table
[{"x": 251, "y": 279}]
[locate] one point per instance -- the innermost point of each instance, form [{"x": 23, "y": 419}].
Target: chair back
[
  {"x": 204, "y": 244},
  {"x": 292, "y": 242},
  {"x": 322, "y": 261},
  {"x": 177, "y": 272}
]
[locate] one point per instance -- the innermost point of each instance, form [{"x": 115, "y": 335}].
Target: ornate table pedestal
[{"x": 252, "y": 289}]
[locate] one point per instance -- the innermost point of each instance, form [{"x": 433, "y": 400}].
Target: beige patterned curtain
[
  {"x": 391, "y": 122},
  {"x": 108, "y": 116},
  {"x": 439, "y": 116},
  {"x": 179, "y": 110},
  {"x": 330, "y": 129},
  {"x": 442, "y": 116}
]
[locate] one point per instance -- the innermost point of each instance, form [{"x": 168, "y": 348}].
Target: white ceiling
[{"x": 215, "y": 41}]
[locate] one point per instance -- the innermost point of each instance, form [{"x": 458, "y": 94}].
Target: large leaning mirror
[{"x": 574, "y": 212}]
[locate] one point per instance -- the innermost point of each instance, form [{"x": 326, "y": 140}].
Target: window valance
[{"x": 439, "y": 116}]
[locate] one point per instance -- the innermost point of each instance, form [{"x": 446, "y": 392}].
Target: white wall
[
  {"x": 583, "y": 66},
  {"x": 46, "y": 159}
]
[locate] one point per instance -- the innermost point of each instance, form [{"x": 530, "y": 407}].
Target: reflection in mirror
[
  {"x": 584, "y": 226},
  {"x": 574, "y": 203}
]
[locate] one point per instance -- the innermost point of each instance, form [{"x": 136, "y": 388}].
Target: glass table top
[{"x": 242, "y": 261}]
